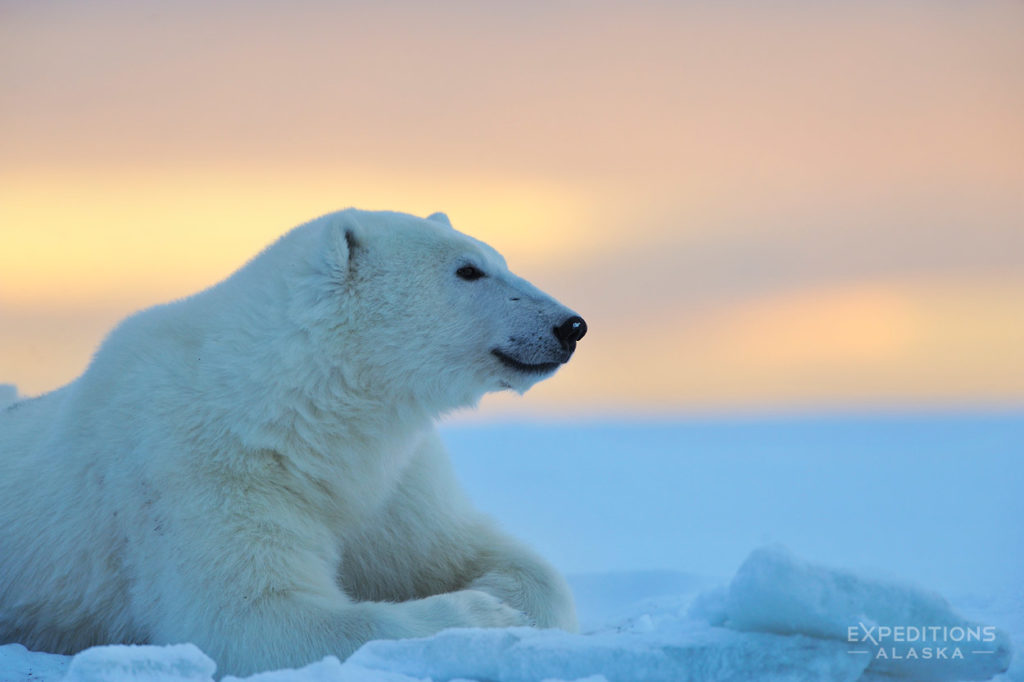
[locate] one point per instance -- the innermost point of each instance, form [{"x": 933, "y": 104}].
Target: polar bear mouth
[{"x": 538, "y": 368}]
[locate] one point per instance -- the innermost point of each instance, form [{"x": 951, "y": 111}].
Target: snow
[
  {"x": 904, "y": 524},
  {"x": 933, "y": 499}
]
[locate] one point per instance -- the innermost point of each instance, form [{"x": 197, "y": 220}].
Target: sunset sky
[{"x": 756, "y": 206}]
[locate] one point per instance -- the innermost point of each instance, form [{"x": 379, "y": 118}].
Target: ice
[
  {"x": 679, "y": 650},
  {"x": 18, "y": 663},
  {"x": 174, "y": 663},
  {"x": 903, "y": 630},
  {"x": 780, "y": 619},
  {"x": 933, "y": 501},
  {"x": 330, "y": 669}
]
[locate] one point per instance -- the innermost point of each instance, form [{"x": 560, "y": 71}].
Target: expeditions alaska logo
[{"x": 924, "y": 642}]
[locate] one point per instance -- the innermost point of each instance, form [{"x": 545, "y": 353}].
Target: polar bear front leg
[
  {"x": 464, "y": 608},
  {"x": 524, "y": 581},
  {"x": 405, "y": 565},
  {"x": 247, "y": 627},
  {"x": 430, "y": 540},
  {"x": 300, "y": 633}
]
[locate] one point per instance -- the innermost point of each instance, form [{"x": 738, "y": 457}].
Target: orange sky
[{"x": 807, "y": 206}]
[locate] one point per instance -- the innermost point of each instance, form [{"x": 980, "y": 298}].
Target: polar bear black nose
[{"x": 571, "y": 331}]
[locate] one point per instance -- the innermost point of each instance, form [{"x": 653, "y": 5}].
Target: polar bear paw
[{"x": 473, "y": 609}]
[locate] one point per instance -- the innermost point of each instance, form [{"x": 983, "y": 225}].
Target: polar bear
[{"x": 255, "y": 469}]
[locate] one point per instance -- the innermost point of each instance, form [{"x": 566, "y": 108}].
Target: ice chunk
[
  {"x": 904, "y": 631},
  {"x": 18, "y": 663},
  {"x": 330, "y": 669},
  {"x": 469, "y": 653},
  {"x": 678, "y": 652},
  {"x": 176, "y": 663}
]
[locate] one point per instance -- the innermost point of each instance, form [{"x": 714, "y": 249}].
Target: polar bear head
[{"x": 410, "y": 308}]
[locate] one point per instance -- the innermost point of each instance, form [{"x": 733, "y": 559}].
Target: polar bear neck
[
  {"x": 325, "y": 435},
  {"x": 237, "y": 379},
  {"x": 287, "y": 396}
]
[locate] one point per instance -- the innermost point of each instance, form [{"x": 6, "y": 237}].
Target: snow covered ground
[{"x": 768, "y": 549}]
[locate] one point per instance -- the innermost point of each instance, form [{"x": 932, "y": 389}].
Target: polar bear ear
[
  {"x": 344, "y": 244},
  {"x": 351, "y": 243},
  {"x": 440, "y": 218}
]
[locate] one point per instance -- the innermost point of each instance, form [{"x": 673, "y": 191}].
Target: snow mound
[{"x": 902, "y": 630}]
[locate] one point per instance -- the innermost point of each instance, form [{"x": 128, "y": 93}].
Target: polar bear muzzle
[{"x": 567, "y": 333}]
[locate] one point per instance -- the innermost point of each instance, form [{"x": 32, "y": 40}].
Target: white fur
[{"x": 255, "y": 469}]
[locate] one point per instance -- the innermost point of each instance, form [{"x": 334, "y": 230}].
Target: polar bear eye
[{"x": 469, "y": 272}]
